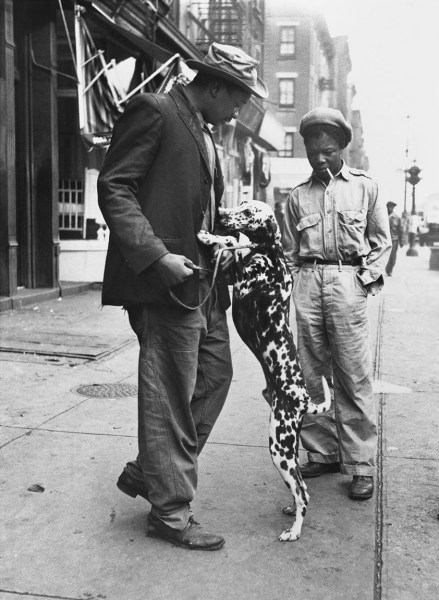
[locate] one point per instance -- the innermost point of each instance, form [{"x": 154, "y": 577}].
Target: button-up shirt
[{"x": 341, "y": 221}]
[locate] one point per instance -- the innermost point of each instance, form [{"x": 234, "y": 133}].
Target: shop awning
[
  {"x": 144, "y": 45},
  {"x": 261, "y": 125},
  {"x": 272, "y": 131},
  {"x": 105, "y": 85}
]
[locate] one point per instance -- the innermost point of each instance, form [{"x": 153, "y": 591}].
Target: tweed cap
[
  {"x": 326, "y": 116},
  {"x": 232, "y": 64}
]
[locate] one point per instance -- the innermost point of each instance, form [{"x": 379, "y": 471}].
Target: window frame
[
  {"x": 285, "y": 42},
  {"x": 283, "y": 93},
  {"x": 288, "y": 149}
]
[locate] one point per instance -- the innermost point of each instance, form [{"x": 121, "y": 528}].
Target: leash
[{"x": 215, "y": 274}]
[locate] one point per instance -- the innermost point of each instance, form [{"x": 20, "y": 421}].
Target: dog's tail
[{"x": 316, "y": 409}]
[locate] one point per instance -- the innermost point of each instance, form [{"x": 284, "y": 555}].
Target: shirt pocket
[
  {"x": 311, "y": 234},
  {"x": 351, "y": 230}
]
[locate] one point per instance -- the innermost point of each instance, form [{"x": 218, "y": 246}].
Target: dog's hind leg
[{"x": 283, "y": 450}]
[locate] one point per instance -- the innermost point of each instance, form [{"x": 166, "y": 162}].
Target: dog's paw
[
  {"x": 290, "y": 535},
  {"x": 290, "y": 511}
]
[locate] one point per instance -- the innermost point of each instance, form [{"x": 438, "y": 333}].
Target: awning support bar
[{"x": 148, "y": 79}]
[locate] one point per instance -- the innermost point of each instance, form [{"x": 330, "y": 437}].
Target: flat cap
[
  {"x": 326, "y": 116},
  {"x": 390, "y": 203}
]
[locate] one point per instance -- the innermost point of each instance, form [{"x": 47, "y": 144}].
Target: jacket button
[{"x": 206, "y": 180}]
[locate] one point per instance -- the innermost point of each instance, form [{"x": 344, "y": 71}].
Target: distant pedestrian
[
  {"x": 405, "y": 227},
  {"x": 396, "y": 234},
  {"x": 337, "y": 240},
  {"x": 160, "y": 184}
]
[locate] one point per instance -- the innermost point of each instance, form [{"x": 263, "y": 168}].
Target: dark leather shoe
[
  {"x": 361, "y": 487},
  {"x": 315, "y": 469},
  {"x": 191, "y": 537},
  {"x": 128, "y": 486}
]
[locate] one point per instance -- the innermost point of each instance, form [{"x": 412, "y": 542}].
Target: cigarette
[{"x": 330, "y": 174}]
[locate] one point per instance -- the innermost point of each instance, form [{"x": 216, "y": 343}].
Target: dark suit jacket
[{"x": 153, "y": 190}]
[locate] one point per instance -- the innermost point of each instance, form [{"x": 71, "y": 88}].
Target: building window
[
  {"x": 287, "y": 41},
  {"x": 71, "y": 208},
  {"x": 288, "y": 149},
  {"x": 286, "y": 92}
]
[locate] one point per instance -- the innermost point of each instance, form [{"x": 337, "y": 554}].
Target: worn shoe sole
[
  {"x": 355, "y": 496},
  {"x": 152, "y": 532},
  {"x": 132, "y": 491}
]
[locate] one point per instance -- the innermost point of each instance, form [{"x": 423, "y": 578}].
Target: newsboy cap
[
  {"x": 326, "y": 116},
  {"x": 232, "y": 64},
  {"x": 390, "y": 203}
]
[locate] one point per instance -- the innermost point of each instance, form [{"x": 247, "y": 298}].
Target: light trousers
[
  {"x": 333, "y": 340},
  {"x": 185, "y": 371}
]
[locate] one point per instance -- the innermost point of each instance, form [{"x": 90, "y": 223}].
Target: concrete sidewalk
[{"x": 81, "y": 538}]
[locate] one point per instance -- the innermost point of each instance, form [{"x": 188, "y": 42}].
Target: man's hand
[
  {"x": 173, "y": 269},
  {"x": 227, "y": 257}
]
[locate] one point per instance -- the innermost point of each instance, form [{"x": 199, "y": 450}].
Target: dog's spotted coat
[{"x": 261, "y": 306}]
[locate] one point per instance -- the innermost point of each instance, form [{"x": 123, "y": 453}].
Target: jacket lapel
[{"x": 191, "y": 121}]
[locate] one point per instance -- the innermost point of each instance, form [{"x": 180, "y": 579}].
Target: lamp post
[
  {"x": 406, "y": 161},
  {"x": 412, "y": 177}
]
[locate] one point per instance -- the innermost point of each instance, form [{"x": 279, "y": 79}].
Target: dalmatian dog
[{"x": 260, "y": 309}]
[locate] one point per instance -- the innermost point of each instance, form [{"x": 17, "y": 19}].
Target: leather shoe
[
  {"x": 315, "y": 469},
  {"x": 361, "y": 487},
  {"x": 128, "y": 486},
  {"x": 191, "y": 537}
]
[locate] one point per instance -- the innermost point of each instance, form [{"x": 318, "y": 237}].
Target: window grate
[{"x": 71, "y": 205}]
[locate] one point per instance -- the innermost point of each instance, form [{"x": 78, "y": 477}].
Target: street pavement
[{"x": 67, "y": 532}]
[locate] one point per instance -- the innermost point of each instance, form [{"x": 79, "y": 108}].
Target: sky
[{"x": 394, "y": 49}]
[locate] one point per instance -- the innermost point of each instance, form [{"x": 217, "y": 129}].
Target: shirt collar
[
  {"x": 194, "y": 109},
  {"x": 344, "y": 172}
]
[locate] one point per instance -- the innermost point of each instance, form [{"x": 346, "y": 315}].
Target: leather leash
[{"x": 215, "y": 273}]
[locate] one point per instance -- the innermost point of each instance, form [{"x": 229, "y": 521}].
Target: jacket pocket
[
  {"x": 351, "y": 230},
  {"x": 311, "y": 234}
]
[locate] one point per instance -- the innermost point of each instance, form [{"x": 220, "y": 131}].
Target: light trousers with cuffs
[
  {"x": 333, "y": 340},
  {"x": 185, "y": 371}
]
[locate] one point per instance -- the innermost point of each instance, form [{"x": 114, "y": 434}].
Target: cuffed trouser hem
[
  {"x": 323, "y": 459},
  {"x": 361, "y": 470},
  {"x": 176, "y": 520}
]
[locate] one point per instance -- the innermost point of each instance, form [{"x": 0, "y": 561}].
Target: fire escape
[{"x": 234, "y": 22}]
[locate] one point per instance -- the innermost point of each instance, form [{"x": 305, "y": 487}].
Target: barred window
[{"x": 71, "y": 205}]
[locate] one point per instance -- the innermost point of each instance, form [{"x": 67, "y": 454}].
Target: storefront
[{"x": 66, "y": 72}]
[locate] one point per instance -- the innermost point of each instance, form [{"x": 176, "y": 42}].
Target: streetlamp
[
  {"x": 412, "y": 177},
  {"x": 406, "y": 161}
]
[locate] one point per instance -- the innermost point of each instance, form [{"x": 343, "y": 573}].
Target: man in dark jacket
[{"x": 160, "y": 184}]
